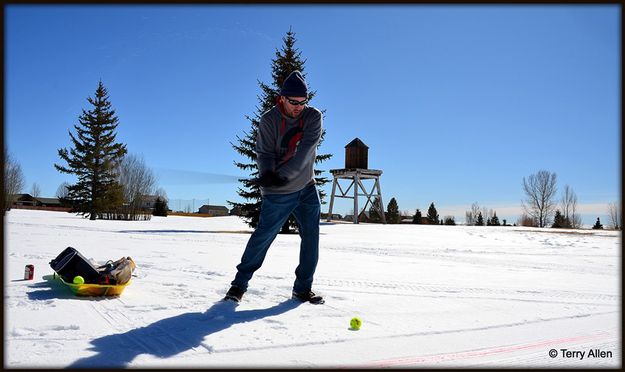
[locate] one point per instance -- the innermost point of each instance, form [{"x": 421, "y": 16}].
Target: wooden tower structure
[{"x": 356, "y": 170}]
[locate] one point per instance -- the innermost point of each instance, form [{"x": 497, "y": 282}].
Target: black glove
[{"x": 271, "y": 178}]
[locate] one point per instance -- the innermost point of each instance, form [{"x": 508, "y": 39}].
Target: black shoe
[
  {"x": 234, "y": 293},
  {"x": 308, "y": 296}
]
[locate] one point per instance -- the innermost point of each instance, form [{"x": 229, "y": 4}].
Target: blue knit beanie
[{"x": 294, "y": 86}]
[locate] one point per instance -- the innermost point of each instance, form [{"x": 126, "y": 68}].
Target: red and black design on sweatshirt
[{"x": 290, "y": 140}]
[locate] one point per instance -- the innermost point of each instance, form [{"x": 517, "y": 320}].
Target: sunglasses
[{"x": 296, "y": 103}]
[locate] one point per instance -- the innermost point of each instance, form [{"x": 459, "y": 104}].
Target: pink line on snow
[{"x": 480, "y": 353}]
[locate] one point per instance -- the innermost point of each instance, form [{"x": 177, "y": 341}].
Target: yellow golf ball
[
  {"x": 79, "y": 280},
  {"x": 355, "y": 323}
]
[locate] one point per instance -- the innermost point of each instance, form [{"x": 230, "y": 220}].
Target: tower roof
[{"x": 356, "y": 143}]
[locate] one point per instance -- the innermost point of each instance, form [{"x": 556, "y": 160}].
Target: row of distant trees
[
  {"x": 479, "y": 216},
  {"x": 476, "y": 217},
  {"x": 393, "y": 215},
  {"x": 541, "y": 209}
]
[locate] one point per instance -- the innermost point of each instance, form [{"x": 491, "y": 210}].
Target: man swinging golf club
[{"x": 286, "y": 148}]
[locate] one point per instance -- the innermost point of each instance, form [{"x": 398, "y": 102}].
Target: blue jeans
[{"x": 274, "y": 211}]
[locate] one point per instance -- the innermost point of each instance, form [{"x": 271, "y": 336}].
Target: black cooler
[{"x": 71, "y": 263}]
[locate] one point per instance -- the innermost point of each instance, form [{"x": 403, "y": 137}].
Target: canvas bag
[{"x": 118, "y": 272}]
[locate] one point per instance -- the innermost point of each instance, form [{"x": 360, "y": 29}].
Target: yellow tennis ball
[
  {"x": 355, "y": 323},
  {"x": 79, "y": 280}
]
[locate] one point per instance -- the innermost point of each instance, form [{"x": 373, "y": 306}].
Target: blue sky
[{"x": 457, "y": 103}]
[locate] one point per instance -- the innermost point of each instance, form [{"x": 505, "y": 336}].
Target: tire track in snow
[
  {"x": 486, "y": 258},
  {"x": 407, "y": 335},
  {"x": 162, "y": 339},
  {"x": 105, "y": 314},
  {"x": 391, "y": 288}
]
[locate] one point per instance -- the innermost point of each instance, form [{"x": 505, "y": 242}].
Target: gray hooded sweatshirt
[{"x": 288, "y": 146}]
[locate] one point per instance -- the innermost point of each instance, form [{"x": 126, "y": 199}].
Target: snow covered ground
[{"x": 429, "y": 296}]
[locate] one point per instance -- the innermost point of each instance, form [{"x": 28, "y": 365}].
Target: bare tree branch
[
  {"x": 540, "y": 190},
  {"x": 35, "y": 191},
  {"x": 13, "y": 180},
  {"x": 569, "y": 208},
  {"x": 137, "y": 181},
  {"x": 614, "y": 212}
]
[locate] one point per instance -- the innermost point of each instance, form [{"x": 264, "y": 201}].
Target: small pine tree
[
  {"x": 416, "y": 219},
  {"x": 110, "y": 206},
  {"x": 598, "y": 225},
  {"x": 558, "y": 220},
  {"x": 494, "y": 221},
  {"x": 432, "y": 215},
  {"x": 160, "y": 207},
  {"x": 479, "y": 221},
  {"x": 450, "y": 221},
  {"x": 94, "y": 158},
  {"x": 375, "y": 210},
  {"x": 392, "y": 212}
]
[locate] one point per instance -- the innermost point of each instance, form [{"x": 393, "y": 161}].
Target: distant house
[
  {"x": 362, "y": 217},
  {"x": 27, "y": 201},
  {"x": 23, "y": 200},
  {"x": 214, "y": 210},
  {"x": 148, "y": 202},
  {"x": 334, "y": 216},
  {"x": 32, "y": 201},
  {"x": 49, "y": 202}
]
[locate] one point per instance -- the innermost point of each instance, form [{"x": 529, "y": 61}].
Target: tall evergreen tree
[
  {"x": 94, "y": 158},
  {"x": 416, "y": 219},
  {"x": 287, "y": 60},
  {"x": 392, "y": 212},
  {"x": 432, "y": 215}
]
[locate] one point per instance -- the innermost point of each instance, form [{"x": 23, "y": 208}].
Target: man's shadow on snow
[{"x": 168, "y": 337}]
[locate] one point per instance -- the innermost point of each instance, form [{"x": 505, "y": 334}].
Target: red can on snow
[{"x": 29, "y": 272}]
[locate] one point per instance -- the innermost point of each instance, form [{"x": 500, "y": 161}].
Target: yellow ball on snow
[{"x": 355, "y": 323}]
